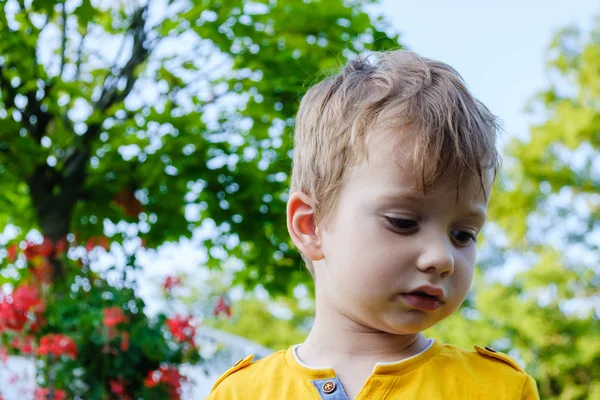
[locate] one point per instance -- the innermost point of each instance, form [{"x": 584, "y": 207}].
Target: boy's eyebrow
[
  {"x": 477, "y": 212},
  {"x": 403, "y": 195}
]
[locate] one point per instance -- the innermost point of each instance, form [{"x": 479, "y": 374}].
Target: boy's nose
[{"x": 437, "y": 257}]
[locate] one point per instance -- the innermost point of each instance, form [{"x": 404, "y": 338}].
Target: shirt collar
[{"x": 395, "y": 368}]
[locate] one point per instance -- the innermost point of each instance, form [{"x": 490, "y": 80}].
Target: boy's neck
[{"x": 334, "y": 339}]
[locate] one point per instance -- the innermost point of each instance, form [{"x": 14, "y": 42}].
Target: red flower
[
  {"x": 126, "y": 199},
  {"x": 32, "y": 250},
  {"x": 182, "y": 329},
  {"x": 26, "y": 298},
  {"x": 117, "y": 386},
  {"x": 26, "y": 345},
  {"x": 44, "y": 393},
  {"x": 101, "y": 241},
  {"x": 16, "y": 307},
  {"x": 10, "y": 318},
  {"x": 152, "y": 379},
  {"x": 42, "y": 271},
  {"x": 91, "y": 243},
  {"x": 125, "y": 341},
  {"x": 57, "y": 345},
  {"x": 37, "y": 324},
  {"x": 171, "y": 282},
  {"x": 60, "y": 247},
  {"x": 49, "y": 248},
  {"x": 113, "y": 316},
  {"x": 3, "y": 355},
  {"x": 222, "y": 307},
  {"x": 168, "y": 376},
  {"x": 12, "y": 253}
]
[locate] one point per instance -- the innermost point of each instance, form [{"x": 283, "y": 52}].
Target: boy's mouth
[
  {"x": 422, "y": 301},
  {"x": 426, "y": 298},
  {"x": 423, "y": 294},
  {"x": 429, "y": 291}
]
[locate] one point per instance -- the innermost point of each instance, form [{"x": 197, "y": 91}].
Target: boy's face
[{"x": 386, "y": 240}]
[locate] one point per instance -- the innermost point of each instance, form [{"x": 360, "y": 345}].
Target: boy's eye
[
  {"x": 402, "y": 224},
  {"x": 464, "y": 237}
]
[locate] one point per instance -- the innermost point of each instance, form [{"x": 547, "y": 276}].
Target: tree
[
  {"x": 548, "y": 211},
  {"x": 181, "y": 127}
]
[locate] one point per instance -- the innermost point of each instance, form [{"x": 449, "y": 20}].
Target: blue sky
[{"x": 498, "y": 46}]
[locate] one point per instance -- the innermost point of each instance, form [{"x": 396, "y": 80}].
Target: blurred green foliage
[
  {"x": 142, "y": 121},
  {"x": 253, "y": 319},
  {"x": 189, "y": 114}
]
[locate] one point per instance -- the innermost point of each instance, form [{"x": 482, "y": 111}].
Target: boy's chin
[{"x": 407, "y": 327}]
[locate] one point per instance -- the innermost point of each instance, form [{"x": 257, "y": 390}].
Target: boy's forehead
[
  {"x": 393, "y": 143},
  {"x": 392, "y": 152},
  {"x": 390, "y": 156},
  {"x": 469, "y": 194}
]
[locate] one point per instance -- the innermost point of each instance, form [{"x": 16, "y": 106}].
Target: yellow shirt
[{"x": 440, "y": 372}]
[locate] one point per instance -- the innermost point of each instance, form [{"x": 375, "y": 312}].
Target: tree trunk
[{"x": 54, "y": 197}]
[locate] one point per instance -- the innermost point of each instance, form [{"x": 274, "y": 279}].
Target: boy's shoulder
[
  {"x": 498, "y": 357},
  {"x": 490, "y": 367},
  {"x": 248, "y": 371},
  {"x": 485, "y": 356}
]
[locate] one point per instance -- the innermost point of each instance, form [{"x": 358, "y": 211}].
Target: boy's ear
[{"x": 302, "y": 227}]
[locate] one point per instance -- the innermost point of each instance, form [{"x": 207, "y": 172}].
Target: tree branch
[
  {"x": 24, "y": 9},
  {"x": 76, "y": 163},
  {"x": 79, "y": 53},
  {"x": 111, "y": 94},
  {"x": 12, "y": 162},
  {"x": 119, "y": 52},
  {"x": 38, "y": 127},
  {"x": 64, "y": 39},
  {"x": 9, "y": 100},
  {"x": 33, "y": 108},
  {"x": 139, "y": 53}
]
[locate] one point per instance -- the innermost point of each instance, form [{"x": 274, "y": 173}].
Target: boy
[{"x": 393, "y": 166}]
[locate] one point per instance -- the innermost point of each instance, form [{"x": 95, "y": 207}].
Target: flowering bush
[
  {"x": 167, "y": 378},
  {"x": 57, "y": 345},
  {"x": 92, "y": 339}
]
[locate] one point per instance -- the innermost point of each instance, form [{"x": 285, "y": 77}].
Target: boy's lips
[{"x": 426, "y": 297}]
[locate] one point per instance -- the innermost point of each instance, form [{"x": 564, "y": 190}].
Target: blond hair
[{"x": 452, "y": 131}]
